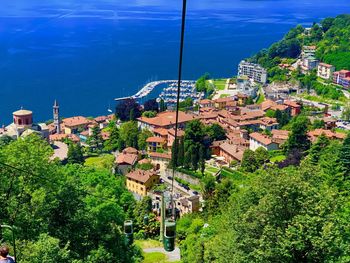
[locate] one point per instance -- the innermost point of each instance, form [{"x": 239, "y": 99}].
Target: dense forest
[
  {"x": 331, "y": 36},
  {"x": 299, "y": 213},
  {"x": 62, "y": 213}
]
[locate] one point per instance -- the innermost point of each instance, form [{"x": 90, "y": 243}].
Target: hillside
[{"x": 331, "y": 36}]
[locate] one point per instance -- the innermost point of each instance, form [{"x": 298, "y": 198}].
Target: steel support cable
[{"x": 176, "y": 144}]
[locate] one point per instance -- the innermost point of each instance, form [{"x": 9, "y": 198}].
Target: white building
[
  {"x": 247, "y": 87},
  {"x": 325, "y": 71},
  {"x": 252, "y": 71},
  {"x": 257, "y": 140}
]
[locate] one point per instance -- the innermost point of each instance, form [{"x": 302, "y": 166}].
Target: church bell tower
[{"x": 56, "y": 117}]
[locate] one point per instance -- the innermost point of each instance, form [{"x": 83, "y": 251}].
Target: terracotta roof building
[
  {"x": 164, "y": 120},
  {"x": 130, "y": 150},
  {"x": 260, "y": 140},
  {"x": 141, "y": 182},
  {"x": 73, "y": 124},
  {"x": 329, "y": 134}
]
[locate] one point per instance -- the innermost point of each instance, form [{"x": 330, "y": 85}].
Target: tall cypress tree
[
  {"x": 202, "y": 159},
  {"x": 175, "y": 153},
  {"x": 344, "y": 156},
  {"x": 181, "y": 153}
]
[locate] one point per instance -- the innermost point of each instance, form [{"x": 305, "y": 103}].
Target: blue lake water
[{"x": 84, "y": 55}]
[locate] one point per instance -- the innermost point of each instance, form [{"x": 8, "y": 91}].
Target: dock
[{"x": 148, "y": 88}]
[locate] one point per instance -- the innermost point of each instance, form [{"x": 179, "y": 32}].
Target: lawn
[
  {"x": 278, "y": 158},
  {"x": 148, "y": 243},
  {"x": 220, "y": 83},
  {"x": 211, "y": 169},
  {"x": 322, "y": 100},
  {"x": 104, "y": 161},
  {"x": 233, "y": 175},
  {"x": 155, "y": 257}
]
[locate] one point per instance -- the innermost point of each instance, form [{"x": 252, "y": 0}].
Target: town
[{"x": 226, "y": 129}]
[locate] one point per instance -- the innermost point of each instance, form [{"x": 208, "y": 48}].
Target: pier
[{"x": 148, "y": 89}]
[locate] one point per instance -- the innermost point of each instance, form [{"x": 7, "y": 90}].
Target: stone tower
[{"x": 56, "y": 117}]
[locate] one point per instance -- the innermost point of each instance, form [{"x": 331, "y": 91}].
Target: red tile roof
[
  {"x": 76, "y": 121},
  {"x": 161, "y": 131},
  {"x": 155, "y": 139},
  {"x": 126, "y": 158},
  {"x": 160, "y": 155},
  {"x": 291, "y": 103},
  {"x": 263, "y": 139},
  {"x": 180, "y": 133},
  {"x": 166, "y": 118},
  {"x": 325, "y": 65},
  {"x": 232, "y": 150},
  {"x": 141, "y": 175},
  {"x": 329, "y": 134},
  {"x": 130, "y": 150}
]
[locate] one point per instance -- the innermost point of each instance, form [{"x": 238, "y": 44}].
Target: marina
[
  {"x": 188, "y": 90},
  {"x": 147, "y": 89},
  {"x": 169, "y": 93}
]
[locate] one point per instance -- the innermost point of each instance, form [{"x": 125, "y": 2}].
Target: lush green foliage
[
  {"x": 294, "y": 214},
  {"x": 202, "y": 84},
  {"x": 62, "y": 213}
]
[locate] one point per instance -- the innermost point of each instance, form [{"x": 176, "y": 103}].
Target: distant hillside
[{"x": 331, "y": 36}]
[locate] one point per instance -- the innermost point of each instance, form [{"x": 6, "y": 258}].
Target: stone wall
[{"x": 186, "y": 177}]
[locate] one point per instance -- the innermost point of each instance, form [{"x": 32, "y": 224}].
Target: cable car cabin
[
  {"x": 169, "y": 235},
  {"x": 128, "y": 231},
  {"x": 146, "y": 220}
]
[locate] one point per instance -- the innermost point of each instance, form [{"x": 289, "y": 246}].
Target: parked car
[
  {"x": 170, "y": 177},
  {"x": 186, "y": 187},
  {"x": 195, "y": 193}
]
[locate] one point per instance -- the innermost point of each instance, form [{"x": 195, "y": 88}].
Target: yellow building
[
  {"x": 75, "y": 124},
  {"x": 141, "y": 182},
  {"x": 156, "y": 143}
]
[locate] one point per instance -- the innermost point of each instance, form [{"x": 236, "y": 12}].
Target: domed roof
[{"x": 22, "y": 112}]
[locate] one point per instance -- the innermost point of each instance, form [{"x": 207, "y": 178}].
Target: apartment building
[
  {"x": 325, "y": 71},
  {"x": 252, "y": 71}
]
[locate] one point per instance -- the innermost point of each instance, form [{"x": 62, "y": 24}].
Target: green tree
[
  {"x": 111, "y": 144},
  {"x": 46, "y": 249},
  {"x": 175, "y": 153},
  {"x": 202, "y": 159},
  {"x": 318, "y": 124},
  {"x": 298, "y": 138},
  {"x": 5, "y": 140},
  {"x": 181, "y": 153},
  {"x": 128, "y": 110},
  {"x": 75, "y": 153},
  {"x": 249, "y": 162},
  {"x": 60, "y": 210},
  {"x": 149, "y": 114},
  {"x": 95, "y": 140},
  {"x": 317, "y": 148},
  {"x": 128, "y": 134},
  {"x": 261, "y": 156},
  {"x": 143, "y": 136},
  {"x": 344, "y": 156},
  {"x": 215, "y": 132},
  {"x": 208, "y": 186},
  {"x": 162, "y": 106}
]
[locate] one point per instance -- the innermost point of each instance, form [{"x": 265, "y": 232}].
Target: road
[{"x": 178, "y": 187}]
